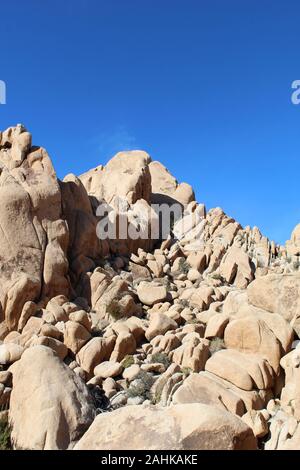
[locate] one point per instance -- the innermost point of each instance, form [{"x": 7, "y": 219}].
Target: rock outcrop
[
  {"x": 50, "y": 406},
  {"x": 182, "y": 331},
  {"x": 180, "y": 427}
]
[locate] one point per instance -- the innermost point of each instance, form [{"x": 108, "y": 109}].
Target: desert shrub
[
  {"x": 141, "y": 386},
  {"x": 5, "y": 443},
  {"x": 155, "y": 398},
  {"x": 296, "y": 265},
  {"x": 161, "y": 358},
  {"x": 114, "y": 309},
  {"x": 216, "y": 276},
  {"x": 127, "y": 361},
  {"x": 186, "y": 370},
  {"x": 166, "y": 282},
  {"x": 184, "y": 266},
  {"x": 194, "y": 321},
  {"x": 216, "y": 345},
  {"x": 184, "y": 303}
]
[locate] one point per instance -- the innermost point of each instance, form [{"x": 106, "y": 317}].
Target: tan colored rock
[
  {"x": 165, "y": 343},
  {"x": 139, "y": 272},
  {"x": 198, "y": 388},
  {"x": 10, "y": 353},
  {"x": 51, "y": 331},
  {"x": 180, "y": 427},
  {"x": 159, "y": 324},
  {"x": 19, "y": 292},
  {"x": 125, "y": 184},
  {"x": 197, "y": 260},
  {"x": 253, "y": 399},
  {"x": 75, "y": 336},
  {"x": 94, "y": 352},
  {"x": 216, "y": 325},
  {"x": 117, "y": 300},
  {"x": 293, "y": 245},
  {"x": 155, "y": 267},
  {"x": 131, "y": 372},
  {"x": 233, "y": 302},
  {"x": 290, "y": 395},
  {"x": 29, "y": 309},
  {"x": 30, "y": 197},
  {"x": 127, "y": 175},
  {"x": 192, "y": 354},
  {"x": 202, "y": 297},
  {"x": 56, "y": 312},
  {"x": 108, "y": 369},
  {"x": 246, "y": 371},
  {"x": 44, "y": 414},
  {"x": 275, "y": 322},
  {"x": 81, "y": 317},
  {"x": 57, "y": 346},
  {"x": 193, "y": 275},
  {"x": 3, "y": 330},
  {"x": 165, "y": 188},
  {"x": 251, "y": 335},
  {"x": 284, "y": 432},
  {"x": 150, "y": 293},
  {"x": 276, "y": 293},
  {"x": 84, "y": 245},
  {"x": 257, "y": 422},
  {"x": 125, "y": 345},
  {"x": 12, "y": 337},
  {"x": 134, "y": 325},
  {"x": 97, "y": 285},
  {"x": 236, "y": 267}
]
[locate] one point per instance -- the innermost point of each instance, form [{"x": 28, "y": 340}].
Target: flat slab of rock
[
  {"x": 178, "y": 427},
  {"x": 276, "y": 293},
  {"x": 159, "y": 325},
  {"x": 150, "y": 294},
  {"x": 198, "y": 388},
  {"x": 108, "y": 369}
]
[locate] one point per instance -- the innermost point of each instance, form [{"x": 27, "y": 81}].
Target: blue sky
[{"x": 203, "y": 85}]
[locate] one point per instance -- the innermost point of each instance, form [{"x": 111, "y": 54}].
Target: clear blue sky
[{"x": 203, "y": 85}]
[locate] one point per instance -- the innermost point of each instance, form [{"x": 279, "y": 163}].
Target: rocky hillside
[{"x": 183, "y": 340}]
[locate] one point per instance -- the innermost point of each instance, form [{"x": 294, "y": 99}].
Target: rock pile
[{"x": 195, "y": 330}]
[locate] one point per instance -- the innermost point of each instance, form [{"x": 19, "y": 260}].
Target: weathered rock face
[
  {"x": 181, "y": 427},
  {"x": 50, "y": 407},
  {"x": 126, "y": 175},
  {"x": 293, "y": 245},
  {"x": 34, "y": 235},
  {"x": 201, "y": 388},
  {"x": 236, "y": 267},
  {"x": 290, "y": 396},
  {"x": 124, "y": 184},
  {"x": 84, "y": 246},
  {"x": 277, "y": 293},
  {"x": 165, "y": 188}
]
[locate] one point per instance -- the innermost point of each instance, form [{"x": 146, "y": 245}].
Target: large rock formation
[
  {"x": 201, "y": 320},
  {"x": 50, "y": 406},
  {"x": 180, "y": 427},
  {"x": 34, "y": 236}
]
